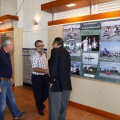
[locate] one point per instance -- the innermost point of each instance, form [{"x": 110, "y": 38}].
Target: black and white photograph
[
  {"x": 90, "y": 43},
  {"x": 75, "y": 68},
  {"x": 110, "y": 51},
  {"x": 71, "y": 37},
  {"x": 110, "y": 30},
  {"x": 71, "y": 31},
  {"x": 90, "y": 58},
  {"x": 109, "y": 70},
  {"x": 89, "y": 71},
  {"x": 73, "y": 47}
]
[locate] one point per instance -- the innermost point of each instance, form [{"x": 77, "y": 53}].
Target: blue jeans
[{"x": 6, "y": 96}]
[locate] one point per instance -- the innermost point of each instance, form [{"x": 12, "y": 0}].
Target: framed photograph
[
  {"x": 89, "y": 71},
  {"x": 110, "y": 30},
  {"x": 109, "y": 70},
  {"x": 90, "y": 43},
  {"x": 71, "y": 37},
  {"x": 90, "y": 58},
  {"x": 110, "y": 51},
  {"x": 75, "y": 68},
  {"x": 71, "y": 31}
]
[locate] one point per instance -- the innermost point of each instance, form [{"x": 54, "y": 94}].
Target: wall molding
[{"x": 95, "y": 111}]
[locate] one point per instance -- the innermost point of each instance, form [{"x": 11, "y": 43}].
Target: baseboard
[{"x": 95, "y": 111}]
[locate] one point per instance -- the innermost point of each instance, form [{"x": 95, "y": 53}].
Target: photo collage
[{"x": 94, "y": 48}]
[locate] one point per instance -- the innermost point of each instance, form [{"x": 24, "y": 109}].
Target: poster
[
  {"x": 89, "y": 70},
  {"x": 90, "y": 58},
  {"x": 75, "y": 68},
  {"x": 110, "y": 30},
  {"x": 109, "y": 70},
  {"x": 110, "y": 51},
  {"x": 71, "y": 37},
  {"x": 94, "y": 48},
  {"x": 90, "y": 43}
]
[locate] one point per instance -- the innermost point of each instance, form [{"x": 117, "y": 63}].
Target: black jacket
[{"x": 59, "y": 66}]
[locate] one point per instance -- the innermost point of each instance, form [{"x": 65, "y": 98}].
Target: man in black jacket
[{"x": 60, "y": 82}]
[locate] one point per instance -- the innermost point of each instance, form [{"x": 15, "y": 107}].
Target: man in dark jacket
[
  {"x": 60, "y": 82},
  {"x": 6, "y": 81}
]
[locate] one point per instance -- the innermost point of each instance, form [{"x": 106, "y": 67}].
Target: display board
[{"x": 94, "y": 48}]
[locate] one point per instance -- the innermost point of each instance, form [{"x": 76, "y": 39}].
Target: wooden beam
[
  {"x": 60, "y": 5},
  {"x": 6, "y": 29},
  {"x": 12, "y": 17},
  {"x": 106, "y": 15}
]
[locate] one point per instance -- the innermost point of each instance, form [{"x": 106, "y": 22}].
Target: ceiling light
[
  {"x": 71, "y": 5},
  {"x": 0, "y": 22}
]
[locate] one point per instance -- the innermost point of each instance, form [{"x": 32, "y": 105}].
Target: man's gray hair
[{"x": 6, "y": 41}]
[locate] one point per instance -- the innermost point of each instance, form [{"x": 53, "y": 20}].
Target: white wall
[
  {"x": 31, "y": 9},
  {"x": 97, "y": 94}
]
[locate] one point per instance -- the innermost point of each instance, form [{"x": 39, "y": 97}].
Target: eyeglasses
[
  {"x": 11, "y": 44},
  {"x": 40, "y": 46}
]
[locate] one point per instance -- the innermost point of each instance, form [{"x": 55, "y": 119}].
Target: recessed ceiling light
[{"x": 71, "y": 5}]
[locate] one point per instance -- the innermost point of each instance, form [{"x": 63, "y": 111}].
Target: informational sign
[{"x": 94, "y": 47}]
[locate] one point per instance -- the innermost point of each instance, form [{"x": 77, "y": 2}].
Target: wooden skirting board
[{"x": 95, "y": 111}]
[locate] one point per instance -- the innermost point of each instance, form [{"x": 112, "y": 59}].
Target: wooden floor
[{"x": 25, "y": 102}]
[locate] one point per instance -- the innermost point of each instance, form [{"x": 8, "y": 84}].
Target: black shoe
[
  {"x": 43, "y": 106},
  {"x": 41, "y": 113},
  {"x": 22, "y": 113}
]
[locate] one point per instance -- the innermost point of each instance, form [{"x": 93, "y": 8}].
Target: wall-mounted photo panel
[
  {"x": 90, "y": 58},
  {"x": 94, "y": 45},
  {"x": 109, "y": 70},
  {"x": 90, "y": 43},
  {"x": 75, "y": 68},
  {"x": 73, "y": 47},
  {"x": 89, "y": 71},
  {"x": 110, "y": 30},
  {"x": 71, "y": 37},
  {"x": 110, "y": 51}
]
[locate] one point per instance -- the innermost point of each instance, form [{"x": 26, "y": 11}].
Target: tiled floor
[{"x": 25, "y": 102}]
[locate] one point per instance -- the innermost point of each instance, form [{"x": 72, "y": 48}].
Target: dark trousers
[{"x": 40, "y": 85}]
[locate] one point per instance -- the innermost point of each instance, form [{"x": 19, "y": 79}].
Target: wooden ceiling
[{"x": 59, "y": 5}]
